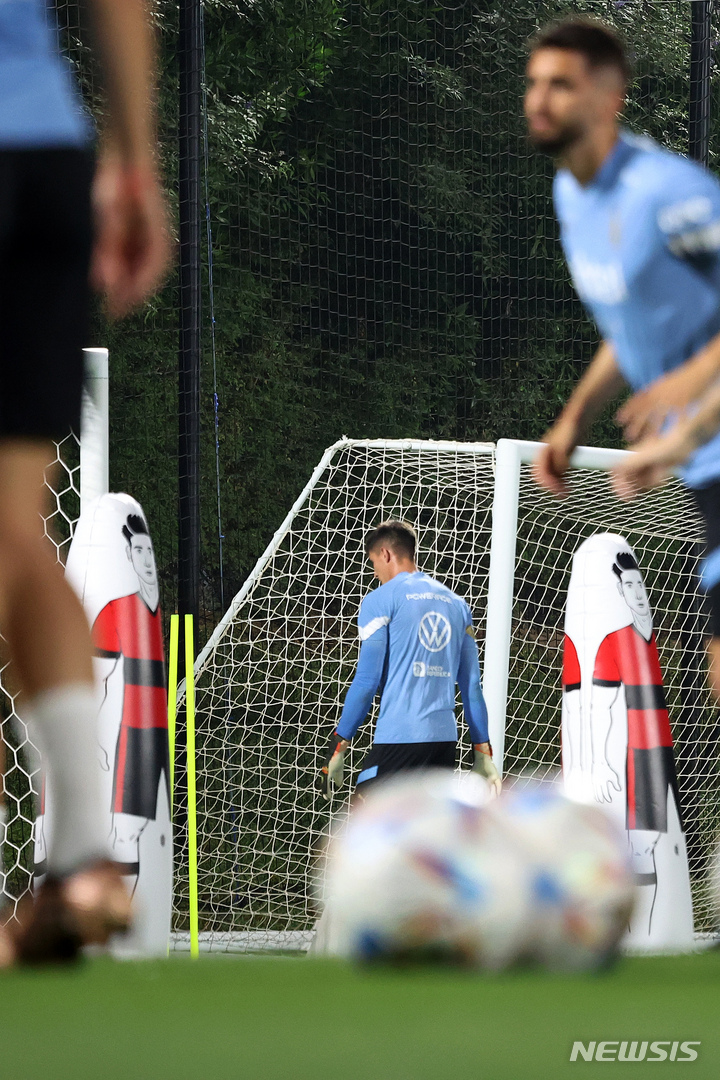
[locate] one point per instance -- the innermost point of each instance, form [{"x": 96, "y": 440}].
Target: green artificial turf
[{"x": 294, "y": 1018}]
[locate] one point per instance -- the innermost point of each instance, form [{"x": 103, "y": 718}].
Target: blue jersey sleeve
[
  {"x": 375, "y": 613},
  {"x": 690, "y": 225},
  {"x": 365, "y": 685},
  {"x": 468, "y": 679}
]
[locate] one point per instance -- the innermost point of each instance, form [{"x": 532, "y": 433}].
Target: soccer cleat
[
  {"x": 47, "y": 931},
  {"x": 86, "y": 908}
]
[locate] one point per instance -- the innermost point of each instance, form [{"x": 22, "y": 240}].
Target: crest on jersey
[{"x": 434, "y": 631}]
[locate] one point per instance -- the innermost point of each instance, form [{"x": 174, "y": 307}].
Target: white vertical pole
[
  {"x": 94, "y": 428},
  {"x": 498, "y": 627}
]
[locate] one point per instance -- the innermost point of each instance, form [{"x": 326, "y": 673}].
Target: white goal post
[
  {"x": 271, "y": 679},
  {"x": 509, "y": 456}
]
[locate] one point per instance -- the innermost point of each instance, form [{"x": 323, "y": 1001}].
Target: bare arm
[
  {"x": 646, "y": 412},
  {"x": 127, "y": 54},
  {"x": 132, "y": 246},
  {"x": 656, "y": 456},
  {"x": 600, "y": 384}
]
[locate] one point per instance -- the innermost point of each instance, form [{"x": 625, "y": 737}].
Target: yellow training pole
[
  {"x": 172, "y": 700},
  {"x": 191, "y": 787}
]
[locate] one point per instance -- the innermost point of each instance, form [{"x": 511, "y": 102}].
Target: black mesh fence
[
  {"x": 385, "y": 252},
  {"x": 381, "y": 255}
]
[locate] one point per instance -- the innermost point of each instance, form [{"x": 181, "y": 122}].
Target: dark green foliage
[{"x": 384, "y": 254}]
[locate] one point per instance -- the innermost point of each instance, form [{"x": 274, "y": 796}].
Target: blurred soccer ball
[
  {"x": 579, "y": 876},
  {"x": 421, "y": 871},
  {"x": 428, "y": 867}
]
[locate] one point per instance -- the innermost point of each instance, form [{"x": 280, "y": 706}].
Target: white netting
[
  {"x": 22, "y": 769},
  {"x": 270, "y": 691},
  {"x": 271, "y": 684},
  {"x": 666, "y": 533}
]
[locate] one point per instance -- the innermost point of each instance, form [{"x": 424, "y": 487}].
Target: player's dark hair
[
  {"x": 399, "y": 536},
  {"x": 134, "y": 526},
  {"x": 624, "y": 561},
  {"x": 599, "y": 43}
]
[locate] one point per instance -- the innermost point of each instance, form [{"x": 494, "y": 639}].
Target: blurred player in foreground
[
  {"x": 417, "y": 642},
  {"x": 640, "y": 228},
  {"x": 50, "y": 250}
]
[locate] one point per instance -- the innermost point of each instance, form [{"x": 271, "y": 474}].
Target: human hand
[
  {"x": 650, "y": 465},
  {"x": 553, "y": 460},
  {"x": 645, "y": 413},
  {"x": 486, "y": 767},
  {"x": 333, "y": 768},
  {"x": 132, "y": 250}
]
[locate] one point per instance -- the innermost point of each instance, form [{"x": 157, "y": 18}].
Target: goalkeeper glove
[
  {"x": 485, "y": 765},
  {"x": 331, "y": 773}
]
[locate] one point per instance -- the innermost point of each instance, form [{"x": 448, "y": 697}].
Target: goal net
[
  {"x": 666, "y": 533},
  {"x": 271, "y": 680}
]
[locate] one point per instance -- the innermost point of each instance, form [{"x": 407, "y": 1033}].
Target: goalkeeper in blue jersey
[
  {"x": 640, "y": 228},
  {"x": 417, "y": 643}
]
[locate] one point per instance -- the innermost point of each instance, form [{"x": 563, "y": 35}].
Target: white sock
[{"x": 66, "y": 723}]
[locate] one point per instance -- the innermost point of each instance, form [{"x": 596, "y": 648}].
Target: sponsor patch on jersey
[
  {"x": 422, "y": 670},
  {"x": 696, "y": 241},
  {"x": 603, "y": 283},
  {"x": 680, "y": 215},
  {"x": 434, "y": 632},
  {"x": 428, "y": 596}
]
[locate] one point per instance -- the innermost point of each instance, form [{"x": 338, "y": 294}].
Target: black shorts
[
  {"x": 45, "y": 246},
  {"x": 142, "y": 755},
  {"x": 649, "y": 775},
  {"x": 385, "y": 759}
]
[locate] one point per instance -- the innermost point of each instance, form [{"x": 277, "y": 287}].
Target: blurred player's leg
[
  {"x": 49, "y": 645},
  {"x": 713, "y": 649},
  {"x": 3, "y": 814},
  {"x": 707, "y": 501},
  {"x": 45, "y": 245}
]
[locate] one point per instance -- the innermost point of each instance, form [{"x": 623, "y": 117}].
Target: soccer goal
[
  {"x": 271, "y": 679},
  {"x": 78, "y": 474}
]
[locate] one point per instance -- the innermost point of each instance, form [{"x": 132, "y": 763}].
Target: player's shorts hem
[{"x": 386, "y": 759}]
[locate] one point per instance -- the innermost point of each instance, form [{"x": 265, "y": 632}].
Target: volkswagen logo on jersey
[{"x": 434, "y": 631}]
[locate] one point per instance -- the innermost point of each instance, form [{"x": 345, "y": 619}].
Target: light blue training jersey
[
  {"x": 642, "y": 241},
  {"x": 40, "y": 108},
  {"x": 426, "y": 623}
]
